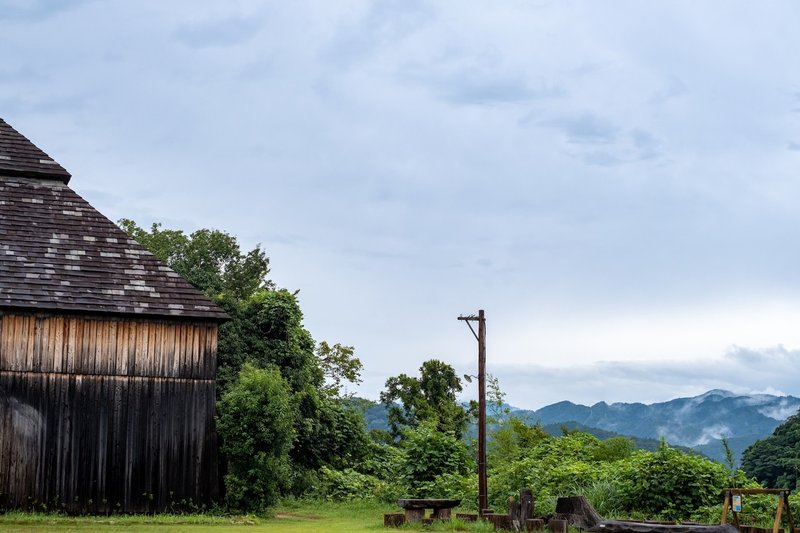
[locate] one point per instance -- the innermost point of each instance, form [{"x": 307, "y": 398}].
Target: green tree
[
  {"x": 266, "y": 331},
  {"x": 432, "y": 396},
  {"x": 774, "y": 460},
  {"x": 211, "y": 260},
  {"x": 513, "y": 440},
  {"x": 267, "y": 328},
  {"x": 255, "y": 422},
  {"x": 339, "y": 365}
]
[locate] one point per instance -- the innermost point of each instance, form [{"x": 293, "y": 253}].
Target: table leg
[{"x": 441, "y": 514}]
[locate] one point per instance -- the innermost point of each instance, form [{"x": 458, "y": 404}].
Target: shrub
[
  {"x": 255, "y": 422},
  {"x": 670, "y": 483},
  {"x": 347, "y": 485},
  {"x": 429, "y": 453}
]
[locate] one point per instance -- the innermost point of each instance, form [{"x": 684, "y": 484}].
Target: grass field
[{"x": 304, "y": 517}]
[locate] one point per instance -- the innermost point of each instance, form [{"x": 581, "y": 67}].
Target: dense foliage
[
  {"x": 255, "y": 423},
  {"x": 775, "y": 461},
  {"x": 431, "y": 397},
  {"x": 266, "y": 334},
  {"x": 288, "y": 428}
]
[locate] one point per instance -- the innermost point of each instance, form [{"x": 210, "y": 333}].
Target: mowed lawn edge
[{"x": 291, "y": 516}]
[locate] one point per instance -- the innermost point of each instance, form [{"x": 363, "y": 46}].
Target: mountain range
[{"x": 699, "y": 422}]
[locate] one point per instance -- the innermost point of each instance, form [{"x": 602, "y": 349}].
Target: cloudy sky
[{"x": 615, "y": 183}]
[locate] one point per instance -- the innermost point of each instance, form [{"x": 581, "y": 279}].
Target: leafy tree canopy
[
  {"x": 432, "y": 396},
  {"x": 775, "y": 461},
  {"x": 339, "y": 365},
  {"x": 211, "y": 260},
  {"x": 266, "y": 332}
]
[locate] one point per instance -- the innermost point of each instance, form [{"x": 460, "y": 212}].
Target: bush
[
  {"x": 255, "y": 422},
  {"x": 429, "y": 453},
  {"x": 384, "y": 461},
  {"x": 347, "y": 485},
  {"x": 670, "y": 483}
]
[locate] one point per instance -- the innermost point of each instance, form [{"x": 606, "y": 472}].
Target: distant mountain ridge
[{"x": 699, "y": 422}]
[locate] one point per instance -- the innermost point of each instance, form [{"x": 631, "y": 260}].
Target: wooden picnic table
[{"x": 414, "y": 508}]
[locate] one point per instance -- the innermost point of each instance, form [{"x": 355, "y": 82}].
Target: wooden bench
[{"x": 415, "y": 508}]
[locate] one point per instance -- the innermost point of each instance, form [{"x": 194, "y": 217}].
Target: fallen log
[{"x": 623, "y": 526}]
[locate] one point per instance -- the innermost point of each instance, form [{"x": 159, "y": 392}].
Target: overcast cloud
[{"x": 614, "y": 182}]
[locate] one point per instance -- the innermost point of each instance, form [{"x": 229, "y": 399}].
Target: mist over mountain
[{"x": 699, "y": 423}]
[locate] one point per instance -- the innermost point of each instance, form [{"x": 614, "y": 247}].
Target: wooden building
[{"x": 107, "y": 356}]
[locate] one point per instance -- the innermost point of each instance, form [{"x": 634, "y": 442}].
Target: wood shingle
[
  {"x": 59, "y": 253},
  {"x": 20, "y": 157}
]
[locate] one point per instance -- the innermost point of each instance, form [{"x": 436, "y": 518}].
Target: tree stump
[
  {"x": 394, "y": 519},
  {"x": 415, "y": 515},
  {"x": 499, "y": 521},
  {"x": 473, "y": 517},
  {"x": 578, "y": 512},
  {"x": 521, "y": 510},
  {"x": 534, "y": 524},
  {"x": 557, "y": 525},
  {"x": 441, "y": 514}
]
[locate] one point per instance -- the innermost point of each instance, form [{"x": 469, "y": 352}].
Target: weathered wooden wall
[{"x": 106, "y": 414}]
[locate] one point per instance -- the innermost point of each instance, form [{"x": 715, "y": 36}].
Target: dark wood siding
[{"x": 106, "y": 414}]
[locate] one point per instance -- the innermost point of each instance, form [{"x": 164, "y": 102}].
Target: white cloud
[{"x": 605, "y": 191}]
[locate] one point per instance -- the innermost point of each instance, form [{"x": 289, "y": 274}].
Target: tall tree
[
  {"x": 775, "y": 461},
  {"x": 266, "y": 332},
  {"x": 432, "y": 396},
  {"x": 211, "y": 260}
]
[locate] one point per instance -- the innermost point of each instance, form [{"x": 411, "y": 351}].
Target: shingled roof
[
  {"x": 21, "y": 157},
  {"x": 59, "y": 253}
]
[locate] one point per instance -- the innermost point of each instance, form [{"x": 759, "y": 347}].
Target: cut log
[
  {"x": 557, "y": 525},
  {"x": 534, "y": 524},
  {"x": 394, "y": 519},
  {"x": 621, "y": 526},
  {"x": 499, "y": 521},
  {"x": 441, "y": 514}
]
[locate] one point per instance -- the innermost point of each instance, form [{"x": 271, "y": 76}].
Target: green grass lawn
[{"x": 291, "y": 517}]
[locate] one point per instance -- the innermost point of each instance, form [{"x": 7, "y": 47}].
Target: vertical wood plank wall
[{"x": 101, "y": 414}]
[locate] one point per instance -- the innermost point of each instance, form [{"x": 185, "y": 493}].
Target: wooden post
[
  {"x": 525, "y": 506},
  {"x": 725, "y": 505},
  {"x": 483, "y": 491},
  {"x": 788, "y": 512},
  {"x": 778, "y": 515}
]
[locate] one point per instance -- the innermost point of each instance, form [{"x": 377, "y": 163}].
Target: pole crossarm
[{"x": 468, "y": 319}]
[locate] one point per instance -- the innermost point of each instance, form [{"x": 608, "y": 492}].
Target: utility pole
[{"x": 483, "y": 499}]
